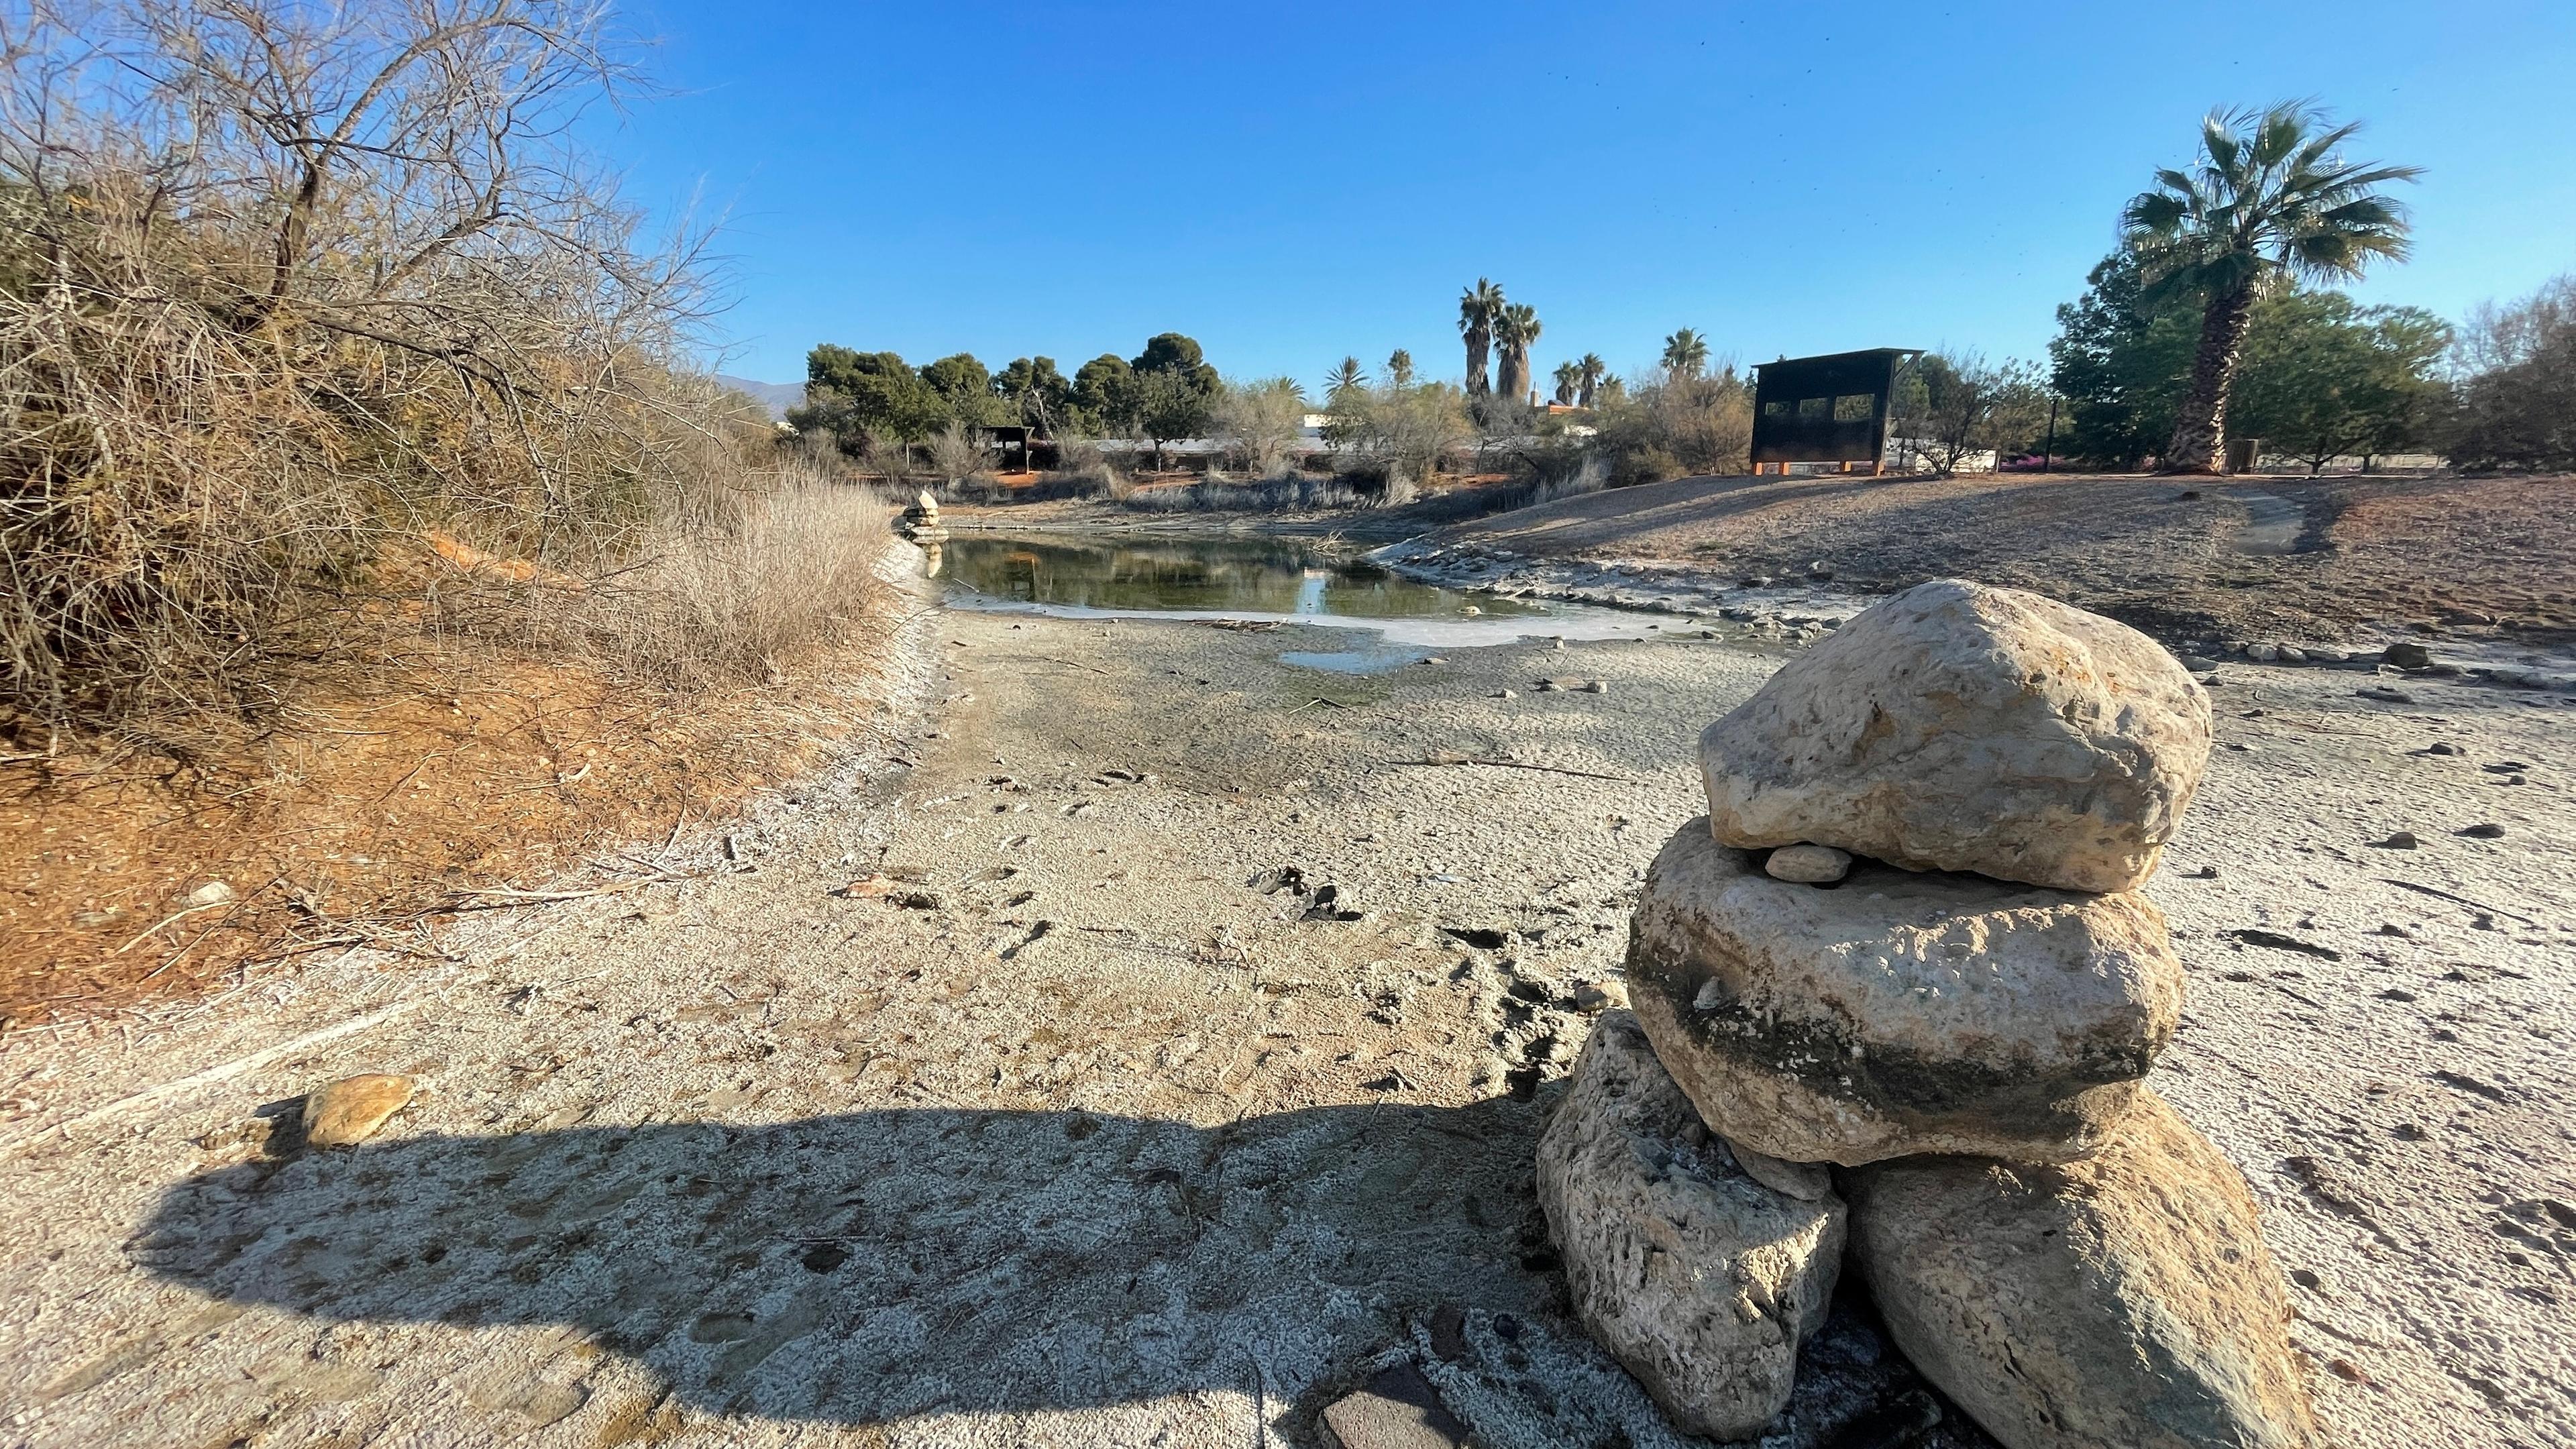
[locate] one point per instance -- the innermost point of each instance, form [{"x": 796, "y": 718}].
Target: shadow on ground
[{"x": 865, "y": 1267}]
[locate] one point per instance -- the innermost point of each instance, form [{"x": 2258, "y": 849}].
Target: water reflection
[
  {"x": 1257, "y": 579},
  {"x": 1273, "y": 577}
]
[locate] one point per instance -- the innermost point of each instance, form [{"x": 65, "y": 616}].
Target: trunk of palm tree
[
  {"x": 1514, "y": 381},
  {"x": 2200, "y": 425},
  {"x": 1477, "y": 343}
]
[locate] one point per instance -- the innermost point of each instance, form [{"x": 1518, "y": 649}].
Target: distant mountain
[{"x": 780, "y": 396}]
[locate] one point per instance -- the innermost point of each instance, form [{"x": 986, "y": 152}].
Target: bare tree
[{"x": 292, "y": 285}]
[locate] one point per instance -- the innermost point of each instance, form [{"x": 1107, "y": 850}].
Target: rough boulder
[
  {"x": 1957, "y": 726},
  {"x": 1898, "y": 1013},
  {"x": 2122, "y": 1302},
  {"x": 1697, "y": 1278}
]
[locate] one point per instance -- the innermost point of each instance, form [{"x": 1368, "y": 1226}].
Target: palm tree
[
  {"x": 1399, "y": 368},
  {"x": 1592, "y": 370},
  {"x": 1479, "y": 307},
  {"x": 2271, "y": 199},
  {"x": 1514, "y": 332},
  {"x": 1685, "y": 353},
  {"x": 1345, "y": 378},
  {"x": 1569, "y": 376}
]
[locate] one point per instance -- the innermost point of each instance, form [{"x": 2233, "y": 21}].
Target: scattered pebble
[
  {"x": 352, "y": 1109},
  {"x": 212, "y": 893},
  {"x": 2402, "y": 840},
  {"x": 2488, "y": 831}
]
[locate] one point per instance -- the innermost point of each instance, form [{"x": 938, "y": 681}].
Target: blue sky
[{"x": 1292, "y": 183}]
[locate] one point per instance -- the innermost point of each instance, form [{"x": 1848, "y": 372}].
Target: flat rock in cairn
[
  {"x": 1900, "y": 1012},
  {"x": 1696, "y": 1277},
  {"x": 1956, "y": 726},
  {"x": 2122, "y": 1302}
]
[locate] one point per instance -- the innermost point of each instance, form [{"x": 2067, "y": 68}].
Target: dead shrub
[
  {"x": 285, "y": 290},
  {"x": 791, "y": 570}
]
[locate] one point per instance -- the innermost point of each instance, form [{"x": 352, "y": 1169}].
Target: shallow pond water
[{"x": 1257, "y": 581}]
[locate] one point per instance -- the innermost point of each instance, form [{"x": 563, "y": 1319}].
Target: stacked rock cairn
[
  {"x": 920, "y": 521},
  {"x": 1896, "y": 996}
]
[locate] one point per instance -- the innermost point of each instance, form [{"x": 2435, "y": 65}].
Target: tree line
[{"x": 2217, "y": 316}]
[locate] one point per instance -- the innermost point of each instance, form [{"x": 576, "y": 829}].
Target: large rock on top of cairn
[
  {"x": 2121, "y": 1302},
  {"x": 1957, "y": 726},
  {"x": 1898, "y": 1012},
  {"x": 1700, "y": 1280}
]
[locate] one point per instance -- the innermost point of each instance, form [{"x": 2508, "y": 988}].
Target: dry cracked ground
[{"x": 1090, "y": 1119}]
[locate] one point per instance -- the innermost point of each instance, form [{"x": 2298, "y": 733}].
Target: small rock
[
  {"x": 1507, "y": 694},
  {"x": 2402, "y": 840},
  {"x": 1591, "y": 996},
  {"x": 2441, "y": 747},
  {"x": 352, "y": 1109},
  {"x": 212, "y": 893},
  {"x": 2489, "y": 831},
  {"x": 1805, "y": 1181},
  {"x": 1398, "y": 1410},
  {"x": 1808, "y": 864},
  {"x": 2407, "y": 654},
  {"x": 2206, "y": 872},
  {"x": 2385, "y": 695},
  {"x": 2263, "y": 653}
]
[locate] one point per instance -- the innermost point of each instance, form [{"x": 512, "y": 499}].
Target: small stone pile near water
[
  {"x": 920, "y": 521},
  {"x": 1896, "y": 996}
]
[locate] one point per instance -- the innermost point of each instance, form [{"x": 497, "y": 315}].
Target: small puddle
[
  {"x": 2272, "y": 523},
  {"x": 1256, "y": 581}
]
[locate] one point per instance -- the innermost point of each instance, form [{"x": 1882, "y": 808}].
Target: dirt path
[{"x": 1077, "y": 1136}]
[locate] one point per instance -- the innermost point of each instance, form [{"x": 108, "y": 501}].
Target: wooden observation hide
[{"x": 1829, "y": 409}]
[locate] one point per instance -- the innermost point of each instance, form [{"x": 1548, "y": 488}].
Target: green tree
[
  {"x": 1035, "y": 394},
  {"x": 2323, "y": 378},
  {"x": 1104, "y": 396},
  {"x": 1174, "y": 353},
  {"x": 1344, "y": 377},
  {"x": 1516, "y": 331},
  {"x": 1169, "y": 403},
  {"x": 1479, "y": 307},
  {"x": 1569, "y": 378},
  {"x": 965, "y": 389},
  {"x": 2120, "y": 359},
  {"x": 1593, "y": 370},
  {"x": 2271, "y": 198},
  {"x": 1685, "y": 353},
  {"x": 854, "y": 393},
  {"x": 1399, "y": 368}
]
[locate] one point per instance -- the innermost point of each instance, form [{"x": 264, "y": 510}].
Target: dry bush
[
  {"x": 793, "y": 569},
  {"x": 1682, "y": 423},
  {"x": 2516, "y": 396},
  {"x": 286, "y": 290}
]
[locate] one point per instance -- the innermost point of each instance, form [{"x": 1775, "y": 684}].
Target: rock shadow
[{"x": 860, "y": 1268}]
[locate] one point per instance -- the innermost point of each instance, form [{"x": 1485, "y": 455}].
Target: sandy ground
[
  {"x": 1081, "y": 1137},
  {"x": 2255, "y": 559}
]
